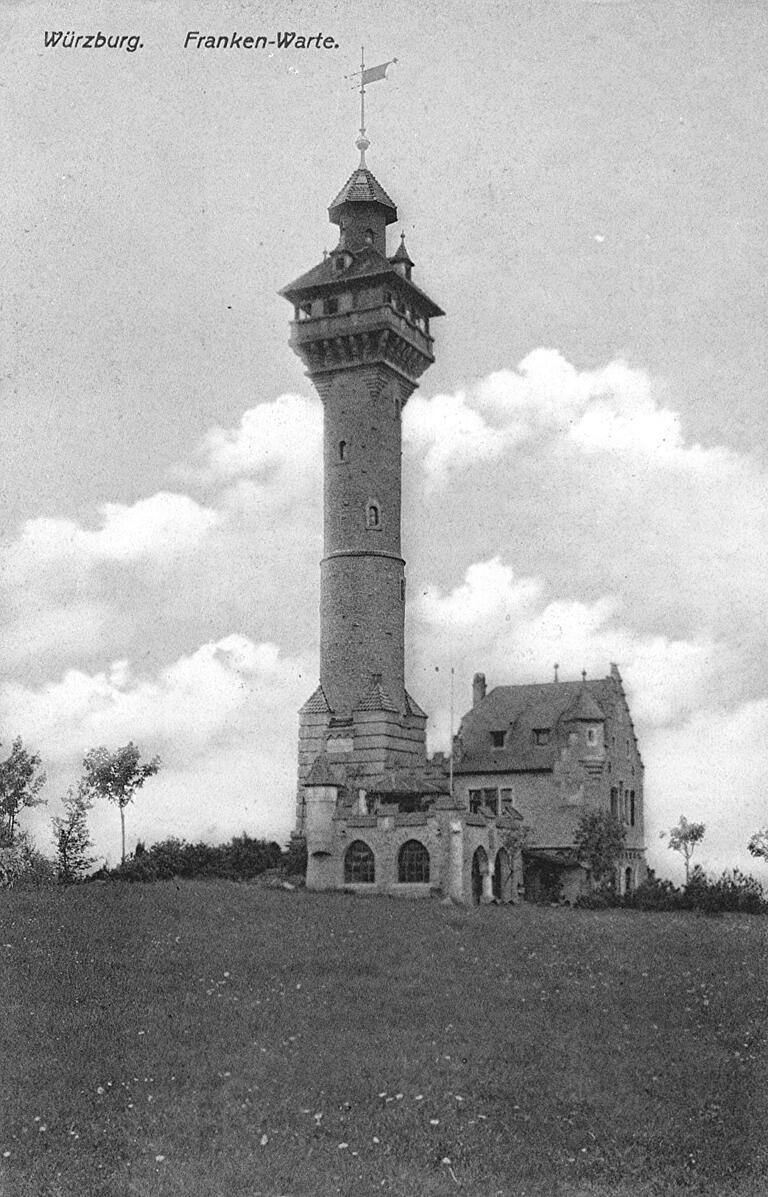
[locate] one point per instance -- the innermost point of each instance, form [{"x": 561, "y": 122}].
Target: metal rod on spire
[{"x": 362, "y": 91}]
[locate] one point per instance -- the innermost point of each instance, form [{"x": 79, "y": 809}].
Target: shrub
[
  {"x": 239, "y": 860},
  {"x": 295, "y": 858},
  {"x": 22, "y": 866}
]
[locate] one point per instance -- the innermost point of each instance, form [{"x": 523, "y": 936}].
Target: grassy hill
[{"x": 226, "y": 1040}]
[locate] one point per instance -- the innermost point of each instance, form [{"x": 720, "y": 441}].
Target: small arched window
[
  {"x": 369, "y": 236},
  {"x": 342, "y": 450},
  {"x": 413, "y": 863},
  {"x": 359, "y": 864},
  {"x": 402, "y": 590},
  {"x": 372, "y": 515}
]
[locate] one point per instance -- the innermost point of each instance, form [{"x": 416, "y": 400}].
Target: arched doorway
[
  {"x": 628, "y": 881},
  {"x": 502, "y": 876},
  {"x": 479, "y": 871}
]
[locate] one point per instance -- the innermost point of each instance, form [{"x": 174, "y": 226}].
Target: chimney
[{"x": 478, "y": 688}]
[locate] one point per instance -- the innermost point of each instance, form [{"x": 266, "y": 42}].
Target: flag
[{"x": 372, "y": 74}]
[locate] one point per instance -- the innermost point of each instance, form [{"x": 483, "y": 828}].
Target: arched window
[
  {"x": 342, "y": 450},
  {"x": 627, "y": 881},
  {"x": 372, "y": 515},
  {"x": 413, "y": 862},
  {"x": 369, "y": 236},
  {"x": 359, "y": 864}
]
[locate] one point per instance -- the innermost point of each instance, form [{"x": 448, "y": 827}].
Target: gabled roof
[
  {"x": 362, "y": 187},
  {"x": 413, "y": 706},
  {"x": 316, "y": 704},
  {"x": 519, "y": 711},
  {"x": 376, "y": 698}
]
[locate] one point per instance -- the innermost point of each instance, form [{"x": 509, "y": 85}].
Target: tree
[
  {"x": 599, "y": 842},
  {"x": 758, "y": 845},
  {"x": 684, "y": 838},
  {"x": 71, "y": 837},
  {"x": 116, "y": 776},
  {"x": 21, "y": 780}
]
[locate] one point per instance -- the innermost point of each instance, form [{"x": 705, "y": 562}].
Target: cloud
[
  {"x": 612, "y": 410},
  {"x": 222, "y": 719},
  {"x": 277, "y": 446}
]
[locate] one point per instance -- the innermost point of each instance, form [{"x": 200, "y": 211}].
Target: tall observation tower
[{"x": 362, "y": 328}]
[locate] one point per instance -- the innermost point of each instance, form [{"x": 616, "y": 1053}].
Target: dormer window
[
  {"x": 339, "y": 262},
  {"x": 372, "y": 515},
  {"x": 304, "y": 311},
  {"x": 497, "y": 739},
  {"x": 331, "y": 306},
  {"x": 541, "y": 736}
]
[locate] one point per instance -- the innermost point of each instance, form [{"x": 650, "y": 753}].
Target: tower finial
[{"x": 371, "y": 75}]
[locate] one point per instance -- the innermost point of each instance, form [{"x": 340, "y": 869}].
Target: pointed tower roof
[
  {"x": 362, "y": 187},
  {"x": 402, "y": 253},
  {"x": 584, "y": 709}
]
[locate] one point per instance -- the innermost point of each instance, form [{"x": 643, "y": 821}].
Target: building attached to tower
[{"x": 375, "y": 813}]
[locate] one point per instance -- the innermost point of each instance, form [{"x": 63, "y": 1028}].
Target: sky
[{"x": 582, "y": 185}]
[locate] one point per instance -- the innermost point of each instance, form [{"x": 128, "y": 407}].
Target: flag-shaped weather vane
[{"x": 367, "y": 75}]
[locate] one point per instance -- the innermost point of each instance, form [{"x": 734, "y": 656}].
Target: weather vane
[{"x": 369, "y": 75}]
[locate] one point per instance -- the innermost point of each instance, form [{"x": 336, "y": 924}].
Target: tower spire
[{"x": 369, "y": 75}]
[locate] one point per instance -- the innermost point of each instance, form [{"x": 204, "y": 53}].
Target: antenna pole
[
  {"x": 362, "y": 91},
  {"x": 450, "y": 754}
]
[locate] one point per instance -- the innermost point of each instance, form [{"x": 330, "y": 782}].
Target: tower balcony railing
[{"x": 357, "y": 321}]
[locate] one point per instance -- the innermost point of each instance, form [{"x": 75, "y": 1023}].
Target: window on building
[
  {"x": 396, "y": 407},
  {"x": 304, "y": 311},
  {"x": 372, "y": 515},
  {"x": 475, "y": 801},
  {"x": 369, "y": 236},
  {"x": 507, "y": 803},
  {"x": 592, "y": 735},
  {"x": 627, "y": 748},
  {"x": 491, "y": 800},
  {"x": 541, "y": 736},
  {"x": 628, "y": 881},
  {"x": 497, "y": 738},
  {"x": 631, "y": 808},
  {"x": 359, "y": 864},
  {"x": 614, "y": 802},
  {"x": 339, "y": 262},
  {"x": 387, "y": 296},
  {"x": 331, "y": 306},
  {"x": 402, "y": 590},
  {"x": 342, "y": 450},
  {"x": 413, "y": 862}
]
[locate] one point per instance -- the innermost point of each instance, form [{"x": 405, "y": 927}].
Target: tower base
[{"x": 373, "y": 740}]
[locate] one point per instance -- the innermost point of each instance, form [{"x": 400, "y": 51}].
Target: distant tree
[
  {"x": 116, "y": 776},
  {"x": 21, "y": 780},
  {"x": 71, "y": 837},
  {"x": 758, "y": 845},
  {"x": 684, "y": 838},
  {"x": 599, "y": 842}
]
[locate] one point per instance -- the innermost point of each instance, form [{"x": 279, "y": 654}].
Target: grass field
[{"x": 221, "y": 1040}]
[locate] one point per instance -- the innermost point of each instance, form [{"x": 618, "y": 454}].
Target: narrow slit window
[
  {"x": 402, "y": 590},
  {"x": 342, "y": 450},
  {"x": 373, "y": 515}
]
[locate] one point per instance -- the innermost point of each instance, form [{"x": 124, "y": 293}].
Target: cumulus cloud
[
  {"x": 277, "y": 447},
  {"x": 614, "y": 410},
  {"x": 222, "y": 719},
  {"x": 160, "y": 525},
  {"x": 550, "y": 514}
]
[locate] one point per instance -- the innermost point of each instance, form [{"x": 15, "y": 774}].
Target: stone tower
[{"x": 362, "y": 328}]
